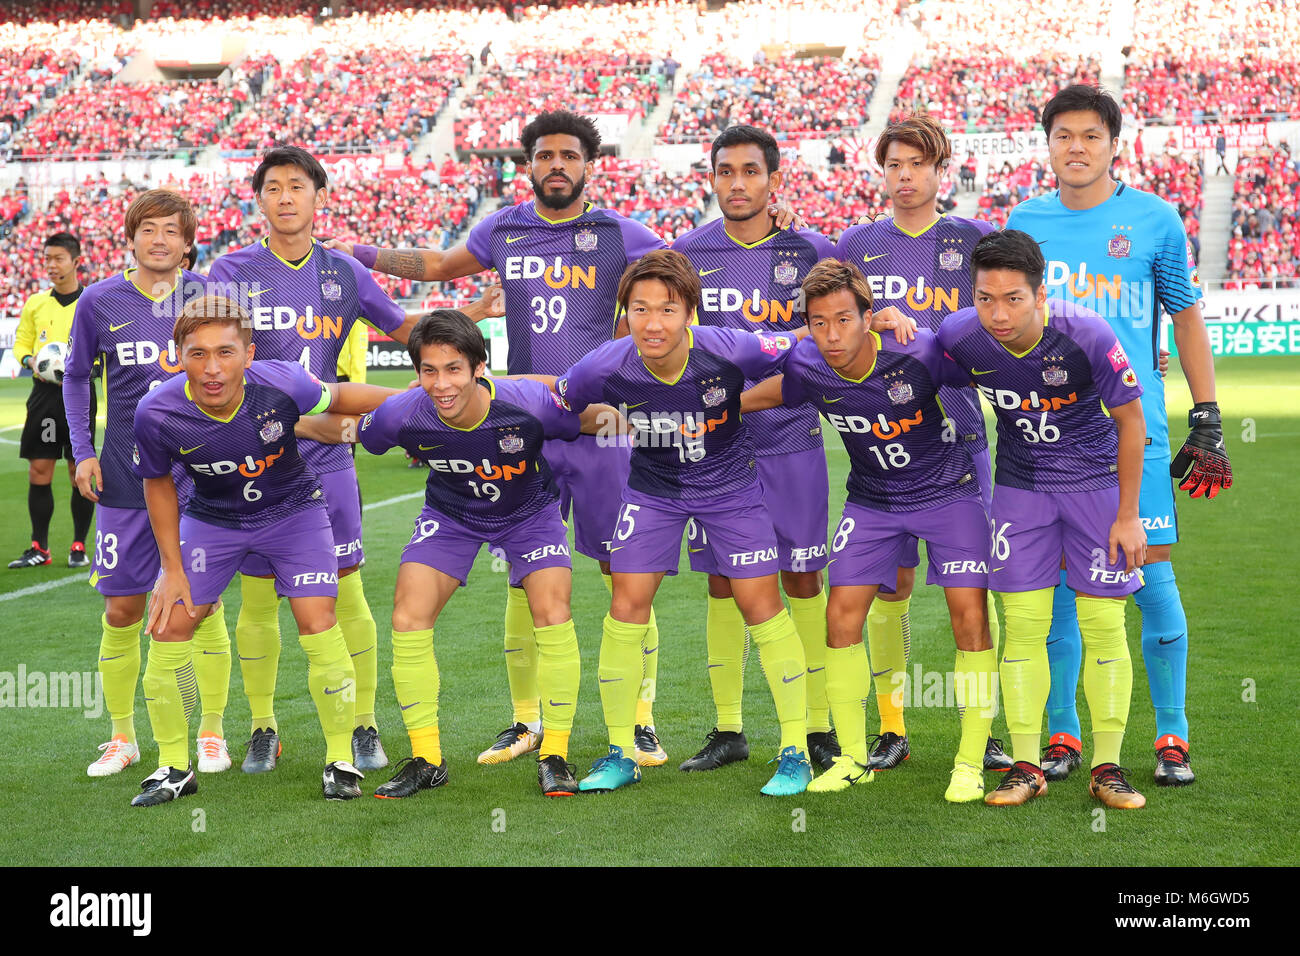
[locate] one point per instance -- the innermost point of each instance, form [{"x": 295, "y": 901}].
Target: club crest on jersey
[
  {"x": 1054, "y": 375},
  {"x": 785, "y": 273},
  {"x": 715, "y": 396},
  {"x": 951, "y": 260},
  {"x": 1129, "y": 378},
  {"x": 135, "y": 454},
  {"x": 1119, "y": 246},
  {"x": 584, "y": 240},
  {"x": 511, "y": 444},
  {"x": 900, "y": 393},
  {"x": 271, "y": 431},
  {"x": 331, "y": 290}
]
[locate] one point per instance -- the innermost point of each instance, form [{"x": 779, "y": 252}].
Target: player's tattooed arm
[
  {"x": 425, "y": 265},
  {"x": 1127, "y": 533},
  {"x": 766, "y": 394},
  {"x": 889, "y": 319},
  {"x": 173, "y": 585}
]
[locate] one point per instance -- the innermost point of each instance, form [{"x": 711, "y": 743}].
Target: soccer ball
[{"x": 48, "y": 366}]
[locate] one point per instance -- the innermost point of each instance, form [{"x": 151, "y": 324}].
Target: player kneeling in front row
[
  {"x": 230, "y": 423},
  {"x": 1068, "y": 471},
  {"x": 908, "y": 478},
  {"x": 692, "y": 458},
  {"x": 488, "y": 483}
]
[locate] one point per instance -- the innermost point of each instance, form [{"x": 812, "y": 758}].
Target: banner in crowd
[
  {"x": 473, "y": 135},
  {"x": 1251, "y": 338},
  {"x": 339, "y": 167},
  {"x": 1279, "y": 305},
  {"x": 1236, "y": 135}
]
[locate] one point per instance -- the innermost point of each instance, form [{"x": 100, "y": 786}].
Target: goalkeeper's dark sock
[
  {"x": 1164, "y": 647},
  {"x": 83, "y": 512},
  {"x": 1064, "y": 655},
  {"x": 40, "y": 505}
]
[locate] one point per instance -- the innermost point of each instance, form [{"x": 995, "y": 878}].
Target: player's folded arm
[
  {"x": 766, "y": 394},
  {"x": 424, "y": 265}
]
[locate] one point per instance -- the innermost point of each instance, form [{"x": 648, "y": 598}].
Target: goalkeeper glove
[{"x": 1210, "y": 471}]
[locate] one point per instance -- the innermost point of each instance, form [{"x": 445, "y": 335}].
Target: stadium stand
[{"x": 1265, "y": 241}]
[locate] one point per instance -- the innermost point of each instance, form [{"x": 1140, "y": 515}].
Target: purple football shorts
[
  {"x": 343, "y": 501},
  {"x": 444, "y": 544},
  {"x": 298, "y": 549},
  {"x": 589, "y": 473},
  {"x": 1033, "y": 529},
  {"x": 796, "y": 491},
  {"x": 868, "y": 544},
  {"x": 735, "y": 528},
  {"x": 126, "y": 555}
]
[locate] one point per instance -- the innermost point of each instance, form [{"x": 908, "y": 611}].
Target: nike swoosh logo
[
  {"x": 985, "y": 372},
  {"x": 407, "y": 707},
  {"x": 151, "y": 698},
  {"x": 186, "y": 451},
  {"x": 1057, "y": 641},
  {"x": 370, "y": 648},
  {"x": 428, "y": 447},
  {"x": 216, "y": 653},
  {"x": 619, "y": 548},
  {"x": 690, "y": 550},
  {"x": 610, "y": 680},
  {"x": 1111, "y": 661},
  {"x": 651, "y": 651},
  {"x": 243, "y": 658},
  {"x": 814, "y": 670},
  {"x": 878, "y": 673},
  {"x": 565, "y": 703},
  {"x": 637, "y": 405},
  {"x": 711, "y": 666},
  {"x": 788, "y": 680},
  {"x": 513, "y": 650},
  {"x": 709, "y": 272},
  {"x": 1018, "y": 660},
  {"x": 258, "y": 292},
  {"x": 336, "y": 689},
  {"x": 114, "y": 328},
  {"x": 112, "y": 658},
  {"x": 1162, "y": 641},
  {"x": 510, "y": 239},
  {"x": 874, "y": 258},
  {"x": 832, "y": 401}
]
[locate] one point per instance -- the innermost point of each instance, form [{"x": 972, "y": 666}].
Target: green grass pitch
[{"x": 1236, "y": 569}]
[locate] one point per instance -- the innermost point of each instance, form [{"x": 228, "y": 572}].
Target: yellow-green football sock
[
  {"x": 728, "y": 646},
  {"x": 1024, "y": 672},
  {"x": 1107, "y": 674},
  {"x": 521, "y": 658},
  {"x": 889, "y": 634},
  {"x": 781, "y": 655},
  {"x": 119, "y": 669},
  {"x": 359, "y": 634},
  {"x": 809, "y": 616},
  {"x": 212, "y": 670},
  {"x": 645, "y": 701},
  {"x": 331, "y": 678},
  {"x": 620, "y": 677},
  {"x": 995, "y": 627},
  {"x": 848, "y": 683},
  {"x": 559, "y": 674},
  {"x": 415, "y": 678},
  {"x": 170, "y": 693},
  {"x": 975, "y": 676},
  {"x": 257, "y": 637}
]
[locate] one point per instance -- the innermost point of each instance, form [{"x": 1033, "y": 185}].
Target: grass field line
[
  {"x": 393, "y": 501},
  {"x": 46, "y": 586}
]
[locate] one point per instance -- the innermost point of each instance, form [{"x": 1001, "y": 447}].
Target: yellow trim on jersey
[
  {"x": 690, "y": 344},
  {"x": 874, "y": 359},
  {"x": 266, "y": 241},
  {"x": 216, "y": 418},
  {"x": 1046, "y": 316},
  {"x": 917, "y": 235},
  {"x": 750, "y": 245},
  {"x": 127, "y": 276},
  {"x": 586, "y": 208},
  {"x": 492, "y": 393}
]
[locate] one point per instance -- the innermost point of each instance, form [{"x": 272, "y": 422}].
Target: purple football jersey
[
  {"x": 926, "y": 276},
  {"x": 488, "y": 477},
  {"x": 304, "y": 314},
  {"x": 560, "y": 279},
  {"x": 247, "y": 471},
  {"x": 688, "y": 439},
  {"x": 1053, "y": 432},
  {"x": 133, "y": 333},
  {"x": 755, "y": 288},
  {"x": 903, "y": 454}
]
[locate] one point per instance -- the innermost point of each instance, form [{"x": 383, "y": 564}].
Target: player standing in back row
[
  {"x": 918, "y": 263},
  {"x": 750, "y": 272},
  {"x": 1124, "y": 253}
]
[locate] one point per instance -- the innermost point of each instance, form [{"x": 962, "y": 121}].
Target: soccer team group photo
[{"x": 555, "y": 409}]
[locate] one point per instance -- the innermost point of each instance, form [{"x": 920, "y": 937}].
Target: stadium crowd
[{"x": 1265, "y": 241}]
